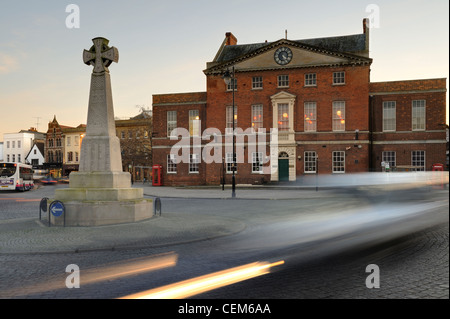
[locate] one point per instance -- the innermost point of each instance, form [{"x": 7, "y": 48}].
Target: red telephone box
[
  {"x": 438, "y": 180},
  {"x": 156, "y": 175}
]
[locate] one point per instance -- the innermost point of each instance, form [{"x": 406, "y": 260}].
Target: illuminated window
[
  {"x": 257, "y": 117},
  {"x": 194, "y": 123},
  {"x": 310, "y": 116},
  {"x": 229, "y": 116},
  {"x": 283, "y": 117},
  {"x": 339, "y": 116}
]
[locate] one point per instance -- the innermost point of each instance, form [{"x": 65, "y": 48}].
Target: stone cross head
[{"x": 100, "y": 55}]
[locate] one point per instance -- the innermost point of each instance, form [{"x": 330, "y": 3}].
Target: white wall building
[
  {"x": 16, "y": 146},
  {"x": 36, "y": 155}
]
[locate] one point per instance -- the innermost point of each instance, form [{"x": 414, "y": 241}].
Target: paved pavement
[{"x": 32, "y": 236}]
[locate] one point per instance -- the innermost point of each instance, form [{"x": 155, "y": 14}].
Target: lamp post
[{"x": 229, "y": 78}]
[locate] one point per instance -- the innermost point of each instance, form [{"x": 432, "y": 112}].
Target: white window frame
[
  {"x": 311, "y": 79},
  {"x": 230, "y": 85},
  {"x": 338, "y": 116},
  {"x": 338, "y": 162},
  {"x": 257, "y": 83},
  {"x": 339, "y": 78},
  {"x": 390, "y": 157},
  {"x": 229, "y": 163},
  {"x": 194, "y": 122},
  {"x": 194, "y": 161},
  {"x": 310, "y": 116},
  {"x": 171, "y": 164},
  {"x": 171, "y": 122},
  {"x": 229, "y": 118},
  {"x": 257, "y": 116},
  {"x": 283, "y": 122},
  {"x": 418, "y": 115},
  {"x": 310, "y": 162},
  {"x": 283, "y": 81},
  {"x": 257, "y": 162},
  {"x": 418, "y": 160},
  {"x": 389, "y": 116}
]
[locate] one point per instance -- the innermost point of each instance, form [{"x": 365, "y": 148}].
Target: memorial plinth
[{"x": 100, "y": 193}]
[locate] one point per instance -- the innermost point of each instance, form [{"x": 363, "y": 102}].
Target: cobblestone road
[{"x": 416, "y": 267}]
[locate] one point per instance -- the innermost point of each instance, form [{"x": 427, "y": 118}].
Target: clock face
[{"x": 283, "y": 55}]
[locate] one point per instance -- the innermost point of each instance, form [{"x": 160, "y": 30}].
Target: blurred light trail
[
  {"x": 195, "y": 286},
  {"x": 131, "y": 268}
]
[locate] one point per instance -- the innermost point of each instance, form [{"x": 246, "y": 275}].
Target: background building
[
  {"x": 16, "y": 146},
  {"x": 63, "y": 146},
  {"x": 317, "y": 93},
  {"x": 54, "y": 149},
  {"x": 135, "y": 135},
  {"x": 36, "y": 155},
  {"x": 408, "y": 124},
  {"x": 72, "y": 137}
]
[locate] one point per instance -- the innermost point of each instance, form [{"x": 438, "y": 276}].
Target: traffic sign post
[
  {"x": 157, "y": 206},
  {"x": 43, "y": 206},
  {"x": 57, "y": 209}
]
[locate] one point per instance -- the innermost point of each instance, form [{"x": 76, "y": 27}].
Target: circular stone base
[{"x": 98, "y": 213}]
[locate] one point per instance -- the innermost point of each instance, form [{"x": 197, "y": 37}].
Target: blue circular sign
[{"x": 57, "y": 208}]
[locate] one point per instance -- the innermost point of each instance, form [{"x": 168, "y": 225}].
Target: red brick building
[
  {"x": 329, "y": 118},
  {"x": 408, "y": 123}
]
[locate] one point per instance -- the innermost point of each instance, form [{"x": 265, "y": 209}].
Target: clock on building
[{"x": 283, "y": 55}]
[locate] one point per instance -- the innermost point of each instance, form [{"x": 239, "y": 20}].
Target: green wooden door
[{"x": 283, "y": 169}]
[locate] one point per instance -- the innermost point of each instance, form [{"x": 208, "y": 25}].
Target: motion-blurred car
[{"x": 48, "y": 181}]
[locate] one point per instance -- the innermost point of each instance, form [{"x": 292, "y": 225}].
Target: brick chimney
[
  {"x": 230, "y": 39},
  {"x": 366, "y": 30}
]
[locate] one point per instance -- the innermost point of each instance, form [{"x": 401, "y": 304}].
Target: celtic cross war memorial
[{"x": 100, "y": 193}]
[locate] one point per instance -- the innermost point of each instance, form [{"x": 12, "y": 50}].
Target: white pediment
[
  {"x": 283, "y": 95},
  {"x": 301, "y": 57}
]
